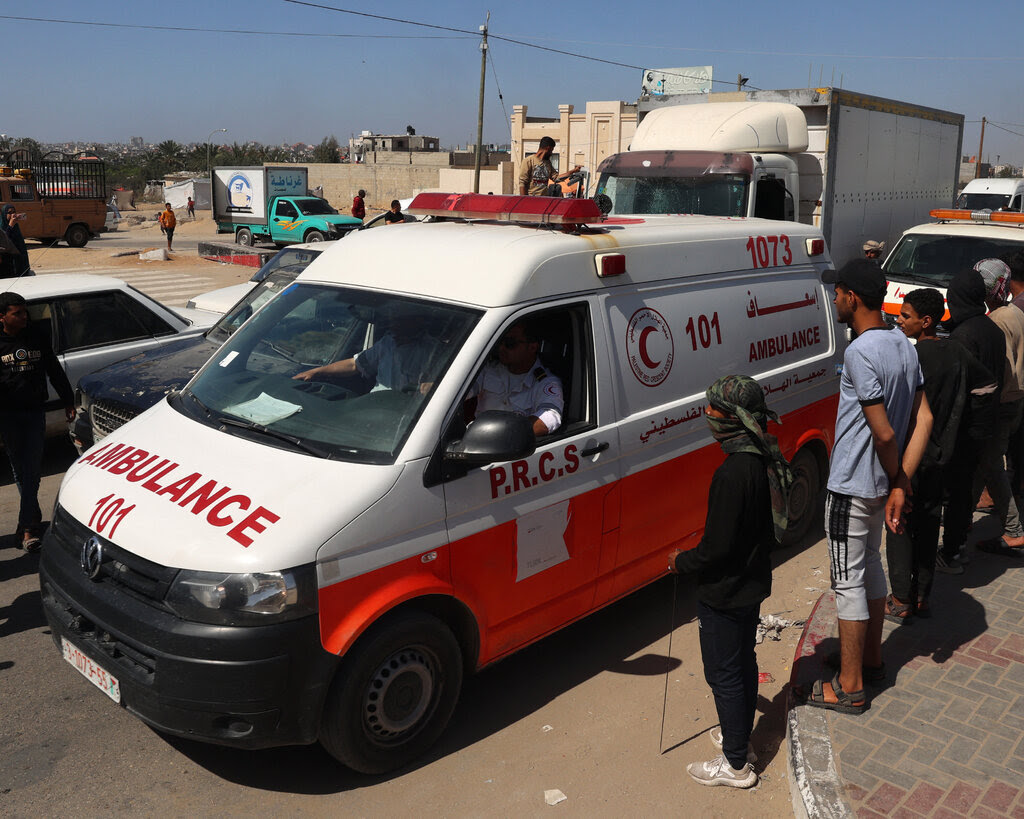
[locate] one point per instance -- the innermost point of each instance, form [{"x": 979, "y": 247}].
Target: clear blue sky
[{"x": 106, "y": 84}]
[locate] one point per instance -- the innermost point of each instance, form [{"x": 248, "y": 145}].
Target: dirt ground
[{"x": 138, "y": 231}]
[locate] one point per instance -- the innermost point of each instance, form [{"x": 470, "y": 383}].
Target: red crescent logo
[{"x": 642, "y": 348}]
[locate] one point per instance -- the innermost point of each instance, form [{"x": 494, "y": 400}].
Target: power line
[
  {"x": 1001, "y": 128},
  {"x": 493, "y": 36},
  {"x": 138, "y": 26},
  {"x": 747, "y": 52},
  {"x": 501, "y": 99}
]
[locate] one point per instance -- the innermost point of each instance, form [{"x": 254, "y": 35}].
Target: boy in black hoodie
[
  {"x": 971, "y": 327},
  {"x": 26, "y": 361}
]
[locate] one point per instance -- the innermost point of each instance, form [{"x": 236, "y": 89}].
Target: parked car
[
  {"x": 223, "y": 299},
  {"x": 94, "y": 321},
  {"x": 112, "y": 396}
]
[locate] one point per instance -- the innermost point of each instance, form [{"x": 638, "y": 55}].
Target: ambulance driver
[
  {"x": 519, "y": 383},
  {"x": 403, "y": 359}
]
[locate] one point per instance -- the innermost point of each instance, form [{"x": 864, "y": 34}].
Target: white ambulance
[
  {"x": 263, "y": 560},
  {"x": 929, "y": 255}
]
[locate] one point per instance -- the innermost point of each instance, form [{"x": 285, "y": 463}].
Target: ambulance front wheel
[
  {"x": 393, "y": 696},
  {"x": 804, "y": 497}
]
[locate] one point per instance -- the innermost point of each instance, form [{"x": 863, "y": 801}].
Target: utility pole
[
  {"x": 480, "y": 109},
  {"x": 981, "y": 147}
]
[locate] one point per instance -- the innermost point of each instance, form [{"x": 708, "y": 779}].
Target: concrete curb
[
  {"x": 230, "y": 253},
  {"x": 814, "y": 782}
]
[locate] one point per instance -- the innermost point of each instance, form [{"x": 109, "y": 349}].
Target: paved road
[
  {"x": 581, "y": 712},
  {"x": 944, "y": 736}
]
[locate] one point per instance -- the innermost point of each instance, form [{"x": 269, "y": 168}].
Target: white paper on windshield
[
  {"x": 540, "y": 540},
  {"x": 231, "y": 357},
  {"x": 263, "y": 409}
]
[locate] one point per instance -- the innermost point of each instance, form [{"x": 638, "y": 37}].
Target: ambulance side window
[{"x": 565, "y": 355}]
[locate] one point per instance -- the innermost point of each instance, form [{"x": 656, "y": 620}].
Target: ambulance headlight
[{"x": 252, "y": 599}]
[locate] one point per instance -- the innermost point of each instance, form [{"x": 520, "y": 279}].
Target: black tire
[
  {"x": 393, "y": 695},
  {"x": 77, "y": 236},
  {"x": 804, "y": 497},
  {"x": 243, "y": 236},
  {"x": 313, "y": 236}
]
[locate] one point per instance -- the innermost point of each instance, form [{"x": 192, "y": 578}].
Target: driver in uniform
[{"x": 519, "y": 383}]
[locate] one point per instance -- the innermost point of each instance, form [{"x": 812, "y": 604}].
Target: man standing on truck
[
  {"x": 26, "y": 361},
  {"x": 538, "y": 172},
  {"x": 168, "y": 222},
  {"x": 882, "y": 428}
]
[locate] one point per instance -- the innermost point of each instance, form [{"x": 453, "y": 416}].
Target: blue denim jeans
[
  {"x": 22, "y": 432},
  {"x": 727, "y": 640}
]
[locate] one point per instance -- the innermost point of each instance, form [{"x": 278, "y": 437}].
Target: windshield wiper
[
  {"x": 929, "y": 280},
  {"x": 252, "y": 426},
  {"x": 200, "y": 404}
]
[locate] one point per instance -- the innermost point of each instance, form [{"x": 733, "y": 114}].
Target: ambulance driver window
[
  {"x": 329, "y": 371},
  {"x": 540, "y": 368}
]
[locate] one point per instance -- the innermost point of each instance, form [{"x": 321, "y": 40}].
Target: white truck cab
[
  {"x": 992, "y": 194},
  {"x": 263, "y": 560}
]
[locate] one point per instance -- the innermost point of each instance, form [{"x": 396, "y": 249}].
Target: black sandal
[{"x": 846, "y": 703}]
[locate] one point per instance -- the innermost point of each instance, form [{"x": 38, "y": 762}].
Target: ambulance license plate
[{"x": 105, "y": 682}]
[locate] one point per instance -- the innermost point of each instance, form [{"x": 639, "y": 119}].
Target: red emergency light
[
  {"x": 546, "y": 210},
  {"x": 978, "y": 216}
]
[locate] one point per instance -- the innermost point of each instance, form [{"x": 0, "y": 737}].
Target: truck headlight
[{"x": 251, "y": 599}]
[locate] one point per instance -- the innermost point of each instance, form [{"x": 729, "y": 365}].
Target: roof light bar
[
  {"x": 546, "y": 210},
  {"x": 978, "y": 216}
]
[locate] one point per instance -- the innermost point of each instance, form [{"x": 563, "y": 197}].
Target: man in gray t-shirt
[{"x": 882, "y": 428}]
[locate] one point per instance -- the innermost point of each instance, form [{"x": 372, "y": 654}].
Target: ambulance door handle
[{"x": 593, "y": 450}]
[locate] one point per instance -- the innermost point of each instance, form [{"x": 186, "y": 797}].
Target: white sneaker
[
  {"x": 718, "y": 771},
  {"x": 716, "y": 740}
]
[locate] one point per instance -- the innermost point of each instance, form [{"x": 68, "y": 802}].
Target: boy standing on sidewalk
[
  {"x": 747, "y": 514},
  {"x": 881, "y": 408},
  {"x": 961, "y": 396}
]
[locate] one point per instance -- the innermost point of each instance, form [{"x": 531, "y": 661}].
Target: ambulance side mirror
[{"x": 494, "y": 436}]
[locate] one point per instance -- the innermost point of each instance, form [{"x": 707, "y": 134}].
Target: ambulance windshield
[
  {"x": 650, "y": 182},
  {"x": 334, "y": 372},
  {"x": 932, "y": 259}
]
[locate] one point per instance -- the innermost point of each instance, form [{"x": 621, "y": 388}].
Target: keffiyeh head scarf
[{"x": 742, "y": 399}]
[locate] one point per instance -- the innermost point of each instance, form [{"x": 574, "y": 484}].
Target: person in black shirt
[
  {"x": 394, "y": 216},
  {"x": 962, "y": 396},
  {"x": 13, "y": 252},
  {"x": 26, "y": 361},
  {"x": 747, "y": 514}
]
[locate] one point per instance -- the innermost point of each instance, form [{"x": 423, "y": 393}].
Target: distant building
[
  {"x": 137, "y": 142},
  {"x": 368, "y": 143}
]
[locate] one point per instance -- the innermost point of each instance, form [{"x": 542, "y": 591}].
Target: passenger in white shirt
[{"x": 519, "y": 383}]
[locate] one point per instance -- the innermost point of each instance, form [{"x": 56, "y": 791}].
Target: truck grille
[
  {"x": 120, "y": 569},
  {"x": 109, "y": 415}
]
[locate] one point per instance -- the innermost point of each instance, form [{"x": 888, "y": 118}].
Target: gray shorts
[{"x": 853, "y": 528}]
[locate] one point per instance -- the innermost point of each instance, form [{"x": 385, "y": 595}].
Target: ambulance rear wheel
[
  {"x": 804, "y": 497},
  {"x": 243, "y": 236},
  {"x": 394, "y": 695}
]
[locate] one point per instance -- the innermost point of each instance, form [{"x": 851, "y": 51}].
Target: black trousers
[
  {"x": 959, "y": 479},
  {"x": 727, "y": 640},
  {"x": 911, "y": 555}
]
